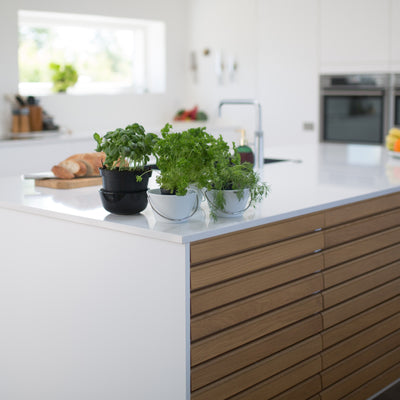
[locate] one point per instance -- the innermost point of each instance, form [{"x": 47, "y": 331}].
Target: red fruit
[{"x": 193, "y": 113}]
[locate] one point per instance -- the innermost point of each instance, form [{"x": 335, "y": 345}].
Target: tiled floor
[{"x": 392, "y": 393}]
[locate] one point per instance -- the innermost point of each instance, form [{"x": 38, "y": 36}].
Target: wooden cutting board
[{"x": 56, "y": 183}]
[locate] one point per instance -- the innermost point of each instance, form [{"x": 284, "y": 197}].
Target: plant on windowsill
[
  {"x": 63, "y": 77},
  {"x": 125, "y": 171}
]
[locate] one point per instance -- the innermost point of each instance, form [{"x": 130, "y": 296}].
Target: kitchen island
[{"x": 297, "y": 299}]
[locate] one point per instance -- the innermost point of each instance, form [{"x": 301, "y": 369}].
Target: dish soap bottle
[{"x": 246, "y": 154}]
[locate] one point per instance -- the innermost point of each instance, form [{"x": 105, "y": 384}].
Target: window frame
[{"x": 152, "y": 31}]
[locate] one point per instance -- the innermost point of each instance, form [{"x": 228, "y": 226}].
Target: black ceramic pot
[
  {"x": 124, "y": 203},
  {"x": 125, "y": 181}
]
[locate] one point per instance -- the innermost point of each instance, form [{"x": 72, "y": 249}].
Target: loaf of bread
[{"x": 78, "y": 165}]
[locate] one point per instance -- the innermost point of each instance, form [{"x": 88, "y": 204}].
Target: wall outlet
[{"x": 308, "y": 126}]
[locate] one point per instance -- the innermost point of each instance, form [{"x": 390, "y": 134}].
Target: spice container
[
  {"x": 35, "y": 114},
  {"x": 15, "y": 120},
  {"x": 24, "y": 120}
]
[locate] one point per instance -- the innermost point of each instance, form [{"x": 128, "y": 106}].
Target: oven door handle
[{"x": 353, "y": 93}]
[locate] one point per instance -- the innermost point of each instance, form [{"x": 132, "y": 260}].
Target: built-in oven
[
  {"x": 354, "y": 108},
  {"x": 396, "y": 100}
]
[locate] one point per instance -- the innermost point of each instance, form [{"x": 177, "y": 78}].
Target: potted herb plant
[
  {"x": 125, "y": 171},
  {"x": 184, "y": 159},
  {"x": 233, "y": 186},
  {"x": 63, "y": 77}
]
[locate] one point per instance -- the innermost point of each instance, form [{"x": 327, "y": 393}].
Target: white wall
[
  {"x": 288, "y": 69},
  {"x": 275, "y": 45},
  {"x": 87, "y": 114},
  {"x": 227, "y": 28}
]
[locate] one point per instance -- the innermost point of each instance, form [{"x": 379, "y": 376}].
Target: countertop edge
[
  {"x": 96, "y": 223},
  {"x": 292, "y": 214},
  {"x": 183, "y": 239}
]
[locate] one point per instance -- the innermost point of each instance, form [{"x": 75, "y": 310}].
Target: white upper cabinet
[
  {"x": 395, "y": 36},
  {"x": 355, "y": 35}
]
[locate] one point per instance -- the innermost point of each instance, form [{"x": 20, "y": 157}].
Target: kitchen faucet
[{"x": 259, "y": 134}]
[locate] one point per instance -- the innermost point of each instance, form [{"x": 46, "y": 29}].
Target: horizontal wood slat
[
  {"x": 364, "y": 283},
  {"x": 260, "y": 371},
  {"x": 364, "y": 227},
  {"x": 359, "y": 341},
  {"x": 221, "y": 294},
  {"x": 361, "y": 209},
  {"x": 283, "y": 381},
  {"x": 360, "y": 303},
  {"x": 360, "y": 322},
  {"x": 228, "y": 363},
  {"x": 359, "y": 266},
  {"x": 239, "y": 335},
  {"x": 360, "y": 247},
  {"x": 231, "y": 267},
  {"x": 303, "y": 391},
  {"x": 243, "y": 310},
  {"x": 362, "y": 376},
  {"x": 238, "y": 242},
  {"x": 360, "y": 359},
  {"x": 375, "y": 385}
]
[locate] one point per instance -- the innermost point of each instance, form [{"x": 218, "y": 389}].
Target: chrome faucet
[{"x": 259, "y": 134}]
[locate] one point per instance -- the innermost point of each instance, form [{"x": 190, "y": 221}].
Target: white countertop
[{"x": 328, "y": 175}]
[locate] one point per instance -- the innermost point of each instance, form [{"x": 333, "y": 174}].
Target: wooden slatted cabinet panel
[
  {"x": 260, "y": 371},
  {"x": 239, "y": 335},
  {"x": 255, "y": 307},
  {"x": 360, "y": 359},
  {"x": 255, "y": 351},
  {"x": 361, "y": 376},
  {"x": 360, "y": 228},
  {"x": 360, "y": 247},
  {"x": 361, "y": 321},
  {"x": 235, "y": 289},
  {"x": 361, "y": 316},
  {"x": 361, "y": 209},
  {"x": 284, "y": 381},
  {"x": 238, "y": 242},
  {"x": 375, "y": 385},
  {"x": 303, "y": 309},
  {"x": 230, "y": 267}
]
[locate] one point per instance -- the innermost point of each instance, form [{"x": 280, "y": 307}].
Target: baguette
[{"x": 79, "y": 165}]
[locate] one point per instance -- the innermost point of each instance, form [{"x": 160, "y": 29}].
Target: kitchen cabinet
[
  {"x": 356, "y": 36},
  {"x": 297, "y": 299},
  {"x": 395, "y": 32},
  {"x": 333, "y": 287}
]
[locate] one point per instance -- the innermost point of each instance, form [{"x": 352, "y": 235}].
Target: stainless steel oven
[
  {"x": 396, "y": 100},
  {"x": 354, "y": 108}
]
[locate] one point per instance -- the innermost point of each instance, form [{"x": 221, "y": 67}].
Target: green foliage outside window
[{"x": 99, "y": 55}]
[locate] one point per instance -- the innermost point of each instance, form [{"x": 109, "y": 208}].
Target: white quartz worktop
[{"x": 317, "y": 177}]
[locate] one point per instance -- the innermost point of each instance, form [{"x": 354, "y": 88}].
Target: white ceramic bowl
[
  {"x": 172, "y": 208},
  {"x": 234, "y": 207}
]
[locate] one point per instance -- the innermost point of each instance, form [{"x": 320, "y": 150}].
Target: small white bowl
[
  {"x": 234, "y": 207},
  {"x": 172, "y": 208}
]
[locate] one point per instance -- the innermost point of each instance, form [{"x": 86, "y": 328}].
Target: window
[{"x": 111, "y": 55}]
